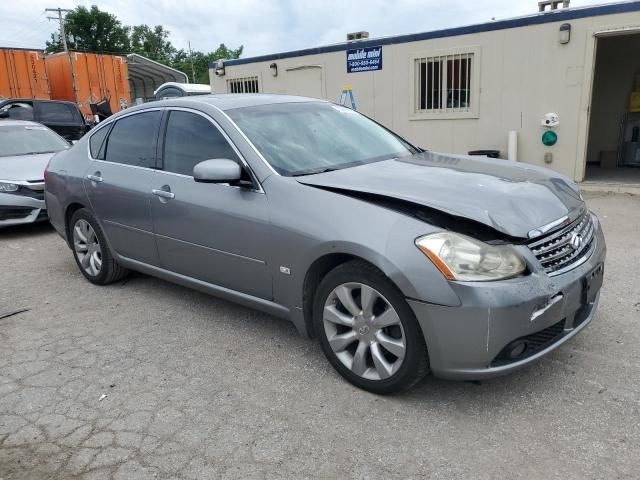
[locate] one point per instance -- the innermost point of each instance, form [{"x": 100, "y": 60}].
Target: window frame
[
  {"x": 106, "y": 127},
  {"x": 414, "y": 84},
  {"x": 257, "y": 187},
  {"x": 110, "y": 124}
]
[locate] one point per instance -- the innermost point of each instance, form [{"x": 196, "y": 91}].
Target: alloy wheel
[
  {"x": 87, "y": 247},
  {"x": 364, "y": 331}
]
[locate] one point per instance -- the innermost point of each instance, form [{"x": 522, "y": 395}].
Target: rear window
[
  {"x": 133, "y": 139},
  {"x": 96, "y": 143},
  {"x": 56, "y": 112}
]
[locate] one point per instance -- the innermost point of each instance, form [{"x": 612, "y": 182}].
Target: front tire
[
  {"x": 91, "y": 252},
  {"x": 367, "y": 330}
]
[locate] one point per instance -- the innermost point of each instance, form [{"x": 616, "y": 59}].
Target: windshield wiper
[
  {"x": 38, "y": 153},
  {"x": 313, "y": 172}
]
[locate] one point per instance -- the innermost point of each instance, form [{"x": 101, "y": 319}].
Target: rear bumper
[
  {"x": 19, "y": 210},
  {"x": 469, "y": 342}
]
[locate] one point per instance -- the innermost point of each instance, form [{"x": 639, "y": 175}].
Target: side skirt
[{"x": 250, "y": 301}]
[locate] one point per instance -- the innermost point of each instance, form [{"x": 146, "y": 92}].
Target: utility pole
[
  {"x": 193, "y": 70},
  {"x": 60, "y": 18}
]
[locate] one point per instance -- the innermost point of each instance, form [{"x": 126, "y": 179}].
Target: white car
[{"x": 25, "y": 150}]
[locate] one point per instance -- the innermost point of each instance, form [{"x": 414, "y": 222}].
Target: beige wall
[{"x": 523, "y": 74}]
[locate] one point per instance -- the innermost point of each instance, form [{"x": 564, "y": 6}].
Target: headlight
[
  {"x": 468, "y": 260},
  {"x": 8, "y": 187}
]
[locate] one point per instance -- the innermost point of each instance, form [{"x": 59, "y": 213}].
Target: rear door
[
  {"x": 119, "y": 182},
  {"x": 63, "y": 118},
  {"x": 216, "y": 233}
]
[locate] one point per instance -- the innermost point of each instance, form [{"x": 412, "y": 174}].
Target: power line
[
  {"x": 31, "y": 34},
  {"x": 60, "y": 18}
]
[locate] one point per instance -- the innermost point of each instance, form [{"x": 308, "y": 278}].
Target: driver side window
[{"x": 191, "y": 139}]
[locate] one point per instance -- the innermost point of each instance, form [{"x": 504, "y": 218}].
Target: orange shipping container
[
  {"x": 23, "y": 74},
  {"x": 86, "y": 78}
]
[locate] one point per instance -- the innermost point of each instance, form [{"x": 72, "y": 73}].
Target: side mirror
[{"x": 219, "y": 170}]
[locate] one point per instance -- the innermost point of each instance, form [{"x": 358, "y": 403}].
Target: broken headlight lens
[
  {"x": 465, "y": 259},
  {"x": 8, "y": 187}
]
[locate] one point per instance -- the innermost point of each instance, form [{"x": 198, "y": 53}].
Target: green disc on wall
[{"x": 549, "y": 138}]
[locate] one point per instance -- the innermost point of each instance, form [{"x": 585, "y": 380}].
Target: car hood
[
  {"x": 510, "y": 197},
  {"x": 24, "y": 167}
]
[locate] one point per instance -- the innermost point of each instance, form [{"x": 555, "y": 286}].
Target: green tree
[
  {"x": 152, "y": 43},
  {"x": 182, "y": 61},
  {"x": 92, "y": 30}
]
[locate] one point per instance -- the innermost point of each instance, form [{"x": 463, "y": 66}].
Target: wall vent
[
  {"x": 552, "y": 4},
  {"x": 352, "y": 37}
]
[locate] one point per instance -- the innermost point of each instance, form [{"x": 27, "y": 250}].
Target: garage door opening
[{"x": 613, "y": 149}]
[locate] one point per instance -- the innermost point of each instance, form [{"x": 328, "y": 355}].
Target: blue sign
[{"x": 364, "y": 59}]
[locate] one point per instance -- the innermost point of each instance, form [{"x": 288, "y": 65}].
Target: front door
[
  {"x": 216, "y": 233},
  {"x": 119, "y": 182}
]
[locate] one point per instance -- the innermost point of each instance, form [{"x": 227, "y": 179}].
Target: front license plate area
[{"x": 591, "y": 284}]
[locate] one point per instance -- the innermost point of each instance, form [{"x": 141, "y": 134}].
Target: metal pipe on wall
[{"x": 512, "y": 146}]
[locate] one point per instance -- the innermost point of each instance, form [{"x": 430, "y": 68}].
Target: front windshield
[
  {"x": 311, "y": 137},
  {"x": 29, "y": 139}
]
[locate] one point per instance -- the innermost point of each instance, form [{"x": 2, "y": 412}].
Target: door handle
[
  {"x": 95, "y": 177},
  {"x": 163, "y": 193}
]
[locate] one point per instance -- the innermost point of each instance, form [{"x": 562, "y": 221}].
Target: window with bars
[
  {"x": 242, "y": 85},
  {"x": 444, "y": 83}
]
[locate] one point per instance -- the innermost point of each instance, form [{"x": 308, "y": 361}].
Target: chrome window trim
[
  {"x": 124, "y": 165},
  {"x": 109, "y": 122},
  {"x": 189, "y": 177}
]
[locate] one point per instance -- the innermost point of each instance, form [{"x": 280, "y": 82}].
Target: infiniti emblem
[
  {"x": 576, "y": 241},
  {"x": 363, "y": 330}
]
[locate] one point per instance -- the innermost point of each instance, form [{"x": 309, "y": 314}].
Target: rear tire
[
  {"x": 91, "y": 251},
  {"x": 367, "y": 330}
]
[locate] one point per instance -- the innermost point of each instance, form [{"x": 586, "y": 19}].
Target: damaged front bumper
[{"x": 505, "y": 325}]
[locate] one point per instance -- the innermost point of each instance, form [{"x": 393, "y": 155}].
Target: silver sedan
[
  {"x": 25, "y": 150},
  {"x": 399, "y": 260}
]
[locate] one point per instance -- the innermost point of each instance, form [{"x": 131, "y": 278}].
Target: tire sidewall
[
  {"x": 415, "y": 363},
  {"x": 84, "y": 214}
]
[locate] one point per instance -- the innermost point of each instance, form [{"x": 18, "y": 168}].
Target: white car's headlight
[
  {"x": 465, "y": 259},
  {"x": 8, "y": 187}
]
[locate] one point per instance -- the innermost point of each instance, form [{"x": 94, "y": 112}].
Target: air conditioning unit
[{"x": 351, "y": 37}]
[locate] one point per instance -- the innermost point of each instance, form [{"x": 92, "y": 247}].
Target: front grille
[
  {"x": 14, "y": 213},
  {"x": 557, "y": 252},
  {"x": 534, "y": 343}
]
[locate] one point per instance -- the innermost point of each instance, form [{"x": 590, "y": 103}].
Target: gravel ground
[{"x": 145, "y": 379}]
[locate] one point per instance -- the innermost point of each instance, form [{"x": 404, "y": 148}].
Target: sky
[{"x": 265, "y": 26}]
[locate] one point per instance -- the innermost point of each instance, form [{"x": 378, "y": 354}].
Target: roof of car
[
  {"x": 4, "y": 100},
  {"x": 5, "y": 122},
  {"x": 229, "y": 101}
]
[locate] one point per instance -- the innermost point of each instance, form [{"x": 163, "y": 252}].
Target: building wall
[{"x": 523, "y": 72}]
